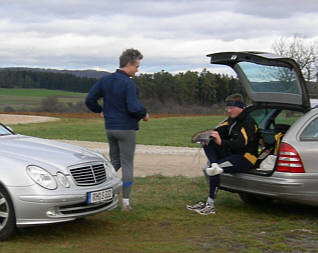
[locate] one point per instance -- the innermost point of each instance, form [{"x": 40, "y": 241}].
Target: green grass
[
  {"x": 175, "y": 131},
  {"x": 159, "y": 222},
  {"x": 38, "y": 93},
  {"x": 32, "y": 97}
]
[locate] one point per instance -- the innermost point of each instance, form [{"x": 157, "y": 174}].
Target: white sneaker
[
  {"x": 125, "y": 208},
  {"x": 196, "y": 206},
  {"x": 215, "y": 169},
  {"x": 125, "y": 205},
  {"x": 208, "y": 209}
]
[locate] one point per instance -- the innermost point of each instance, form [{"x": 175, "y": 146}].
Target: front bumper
[
  {"x": 296, "y": 187},
  {"x": 34, "y": 205}
]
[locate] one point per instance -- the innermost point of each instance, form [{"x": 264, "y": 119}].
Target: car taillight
[{"x": 288, "y": 160}]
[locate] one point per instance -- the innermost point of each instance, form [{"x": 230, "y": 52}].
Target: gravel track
[{"x": 163, "y": 160}]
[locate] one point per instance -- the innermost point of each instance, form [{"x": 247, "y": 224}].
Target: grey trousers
[{"x": 122, "y": 145}]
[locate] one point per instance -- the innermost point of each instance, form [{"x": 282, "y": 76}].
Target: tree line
[
  {"x": 159, "y": 91},
  {"x": 201, "y": 89},
  {"x": 44, "y": 80}
]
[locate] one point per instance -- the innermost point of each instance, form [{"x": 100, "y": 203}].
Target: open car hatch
[{"x": 268, "y": 79}]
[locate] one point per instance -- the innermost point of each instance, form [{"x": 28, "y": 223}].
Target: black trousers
[{"x": 218, "y": 154}]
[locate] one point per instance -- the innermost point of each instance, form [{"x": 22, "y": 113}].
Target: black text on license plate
[{"x": 99, "y": 196}]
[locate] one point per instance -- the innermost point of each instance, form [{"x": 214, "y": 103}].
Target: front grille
[{"x": 92, "y": 174}]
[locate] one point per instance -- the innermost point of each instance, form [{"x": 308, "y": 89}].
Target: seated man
[{"x": 232, "y": 148}]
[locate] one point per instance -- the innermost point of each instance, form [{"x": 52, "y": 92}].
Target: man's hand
[
  {"x": 146, "y": 118},
  {"x": 216, "y": 137}
]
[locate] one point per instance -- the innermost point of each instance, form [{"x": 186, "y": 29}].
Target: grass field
[
  {"x": 160, "y": 131},
  {"x": 30, "y": 98},
  {"x": 159, "y": 221}
]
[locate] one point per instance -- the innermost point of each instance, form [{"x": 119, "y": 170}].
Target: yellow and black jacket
[{"x": 239, "y": 135}]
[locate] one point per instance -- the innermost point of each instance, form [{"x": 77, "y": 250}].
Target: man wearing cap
[{"x": 232, "y": 148}]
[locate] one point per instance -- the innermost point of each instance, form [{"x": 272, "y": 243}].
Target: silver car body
[
  {"x": 298, "y": 187},
  {"x": 34, "y": 204}
]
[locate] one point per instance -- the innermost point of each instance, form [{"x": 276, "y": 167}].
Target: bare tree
[{"x": 304, "y": 53}]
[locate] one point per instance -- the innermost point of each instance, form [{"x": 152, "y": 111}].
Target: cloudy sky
[{"x": 173, "y": 35}]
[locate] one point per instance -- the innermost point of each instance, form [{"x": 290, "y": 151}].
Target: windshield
[
  {"x": 263, "y": 78},
  {"x": 4, "y": 131}
]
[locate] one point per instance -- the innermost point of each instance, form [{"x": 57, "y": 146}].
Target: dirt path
[
  {"x": 9, "y": 119},
  {"x": 150, "y": 160}
]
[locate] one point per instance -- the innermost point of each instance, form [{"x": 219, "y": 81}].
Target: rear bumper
[{"x": 300, "y": 188}]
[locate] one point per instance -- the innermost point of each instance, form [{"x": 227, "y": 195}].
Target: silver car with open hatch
[{"x": 287, "y": 167}]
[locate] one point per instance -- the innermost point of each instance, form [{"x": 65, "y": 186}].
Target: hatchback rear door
[{"x": 269, "y": 80}]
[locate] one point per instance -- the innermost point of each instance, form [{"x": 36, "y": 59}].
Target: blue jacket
[{"x": 121, "y": 108}]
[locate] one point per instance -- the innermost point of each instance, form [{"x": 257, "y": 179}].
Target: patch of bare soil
[
  {"x": 11, "y": 119},
  {"x": 151, "y": 160}
]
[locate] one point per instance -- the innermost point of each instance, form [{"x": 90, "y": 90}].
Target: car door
[{"x": 269, "y": 80}]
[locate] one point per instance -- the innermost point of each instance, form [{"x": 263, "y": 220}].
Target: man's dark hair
[{"x": 129, "y": 55}]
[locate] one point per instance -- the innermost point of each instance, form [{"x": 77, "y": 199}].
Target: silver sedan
[{"x": 44, "y": 181}]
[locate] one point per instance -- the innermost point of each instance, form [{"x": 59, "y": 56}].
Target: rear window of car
[{"x": 263, "y": 78}]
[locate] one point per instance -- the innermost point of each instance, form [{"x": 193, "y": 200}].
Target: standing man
[
  {"x": 233, "y": 148},
  {"x": 122, "y": 111}
]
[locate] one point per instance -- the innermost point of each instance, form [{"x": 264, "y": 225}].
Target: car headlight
[
  {"x": 62, "y": 179},
  {"x": 110, "y": 171},
  {"x": 41, "y": 177}
]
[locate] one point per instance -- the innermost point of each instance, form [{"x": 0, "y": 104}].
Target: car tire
[
  {"x": 7, "y": 215},
  {"x": 253, "y": 199}
]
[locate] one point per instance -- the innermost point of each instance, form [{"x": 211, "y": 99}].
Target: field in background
[
  {"x": 31, "y": 98},
  {"x": 167, "y": 131}
]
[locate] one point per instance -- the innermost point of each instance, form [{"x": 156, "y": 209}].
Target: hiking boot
[
  {"x": 215, "y": 169},
  {"x": 196, "y": 206},
  {"x": 208, "y": 209}
]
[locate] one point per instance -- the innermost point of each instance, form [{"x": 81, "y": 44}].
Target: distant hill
[{"x": 89, "y": 73}]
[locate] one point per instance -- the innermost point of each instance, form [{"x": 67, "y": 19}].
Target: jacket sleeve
[
  {"x": 92, "y": 97},
  {"x": 241, "y": 138},
  {"x": 222, "y": 128},
  {"x": 135, "y": 109}
]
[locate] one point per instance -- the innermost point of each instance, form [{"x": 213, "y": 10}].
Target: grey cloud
[
  {"x": 275, "y": 8},
  {"x": 34, "y": 10},
  {"x": 83, "y": 33}
]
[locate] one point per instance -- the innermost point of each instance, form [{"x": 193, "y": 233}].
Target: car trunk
[{"x": 278, "y": 93}]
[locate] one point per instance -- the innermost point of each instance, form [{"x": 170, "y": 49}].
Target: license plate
[{"x": 99, "y": 196}]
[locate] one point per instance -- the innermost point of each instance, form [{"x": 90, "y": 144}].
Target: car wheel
[
  {"x": 253, "y": 199},
  {"x": 7, "y": 216}
]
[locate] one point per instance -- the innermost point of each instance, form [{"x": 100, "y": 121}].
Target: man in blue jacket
[{"x": 122, "y": 111}]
